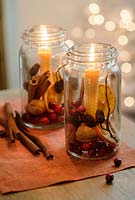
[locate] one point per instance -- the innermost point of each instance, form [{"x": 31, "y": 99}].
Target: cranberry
[
  {"x": 3, "y": 133},
  {"x": 75, "y": 148},
  {"x": 52, "y": 116},
  {"x": 85, "y": 146},
  {"x": 81, "y": 108},
  {"x": 109, "y": 178},
  {"x": 117, "y": 162},
  {"x": 92, "y": 152},
  {"x": 45, "y": 120},
  {"x": 102, "y": 151},
  {"x": 75, "y": 103},
  {"x": 57, "y": 109},
  {"x": 60, "y": 119},
  {"x": 52, "y": 104},
  {"x": 73, "y": 111}
]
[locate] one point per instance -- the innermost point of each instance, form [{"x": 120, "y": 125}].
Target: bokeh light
[
  {"x": 126, "y": 15},
  {"x": 77, "y": 32},
  {"x": 90, "y": 33},
  {"x": 92, "y": 20},
  {"x": 130, "y": 26},
  {"x": 123, "y": 24},
  {"x": 123, "y": 40},
  {"x": 129, "y": 101},
  {"x": 99, "y": 19},
  {"x": 110, "y": 26},
  {"x": 126, "y": 67},
  {"x": 94, "y": 8}
]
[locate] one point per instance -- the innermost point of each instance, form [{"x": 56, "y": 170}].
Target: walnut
[
  {"x": 36, "y": 107},
  {"x": 85, "y": 134}
]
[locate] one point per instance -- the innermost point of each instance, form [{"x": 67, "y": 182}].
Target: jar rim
[
  {"x": 102, "y": 53},
  {"x": 43, "y": 34}
]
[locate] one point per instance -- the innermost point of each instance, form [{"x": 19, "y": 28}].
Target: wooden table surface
[{"x": 123, "y": 187}]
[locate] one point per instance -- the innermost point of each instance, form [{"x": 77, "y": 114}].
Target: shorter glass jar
[
  {"x": 41, "y": 60},
  {"x": 92, "y": 101}
]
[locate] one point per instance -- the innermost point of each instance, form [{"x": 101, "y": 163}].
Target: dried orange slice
[
  {"x": 102, "y": 101},
  {"x": 51, "y": 96},
  {"x": 105, "y": 135}
]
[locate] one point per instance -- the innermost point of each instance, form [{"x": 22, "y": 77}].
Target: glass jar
[
  {"x": 92, "y": 90},
  {"x": 41, "y": 60}
]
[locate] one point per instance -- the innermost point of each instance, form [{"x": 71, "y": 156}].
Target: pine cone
[
  {"x": 89, "y": 120},
  {"x": 59, "y": 86},
  {"x": 100, "y": 116}
]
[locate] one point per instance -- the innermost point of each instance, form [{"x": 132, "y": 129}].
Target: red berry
[
  {"x": 45, "y": 120},
  {"x": 102, "y": 151},
  {"x": 52, "y": 116},
  {"x": 92, "y": 152},
  {"x": 52, "y": 104},
  {"x": 75, "y": 103},
  {"x": 109, "y": 178},
  {"x": 60, "y": 119},
  {"x": 73, "y": 111},
  {"x": 85, "y": 146},
  {"x": 117, "y": 162},
  {"x": 81, "y": 108},
  {"x": 57, "y": 109}
]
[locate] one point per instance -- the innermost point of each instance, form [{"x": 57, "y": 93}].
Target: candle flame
[
  {"x": 92, "y": 51},
  {"x": 44, "y": 32}
]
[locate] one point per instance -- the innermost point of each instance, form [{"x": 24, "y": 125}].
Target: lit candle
[
  {"x": 44, "y": 54},
  {"x": 91, "y": 76}
]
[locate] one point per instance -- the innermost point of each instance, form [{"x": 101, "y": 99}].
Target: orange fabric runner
[{"x": 20, "y": 170}]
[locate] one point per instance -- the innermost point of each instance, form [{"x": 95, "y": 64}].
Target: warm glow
[
  {"x": 129, "y": 101},
  {"x": 110, "y": 26},
  {"x": 69, "y": 43},
  {"x": 125, "y": 15},
  {"x": 92, "y": 20},
  {"x": 94, "y": 8},
  {"x": 90, "y": 33},
  {"x": 99, "y": 19},
  {"x": 92, "y": 51},
  {"x": 123, "y": 40},
  {"x": 124, "y": 56},
  {"x": 77, "y": 32},
  {"x": 126, "y": 67}
]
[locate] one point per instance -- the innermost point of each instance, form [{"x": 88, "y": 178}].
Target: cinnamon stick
[
  {"x": 8, "y": 113},
  {"x": 40, "y": 90},
  {"x": 33, "y": 83},
  {"x": 34, "y": 69},
  {"x": 17, "y": 133},
  {"x": 36, "y": 140}
]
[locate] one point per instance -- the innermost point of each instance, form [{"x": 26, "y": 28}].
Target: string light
[
  {"x": 123, "y": 40},
  {"x": 129, "y": 101},
  {"x": 94, "y": 8},
  {"x": 90, "y": 33},
  {"x": 110, "y": 26},
  {"x": 126, "y": 67}
]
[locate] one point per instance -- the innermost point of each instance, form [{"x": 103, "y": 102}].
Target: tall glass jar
[
  {"x": 92, "y": 93},
  {"x": 41, "y": 60}
]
